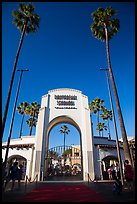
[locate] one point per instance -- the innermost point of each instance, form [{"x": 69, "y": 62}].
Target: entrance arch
[
  {"x": 64, "y": 106},
  {"x": 65, "y": 120}
]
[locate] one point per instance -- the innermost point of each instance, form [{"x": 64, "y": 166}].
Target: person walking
[
  {"x": 19, "y": 175},
  {"x": 117, "y": 186},
  {"x": 128, "y": 173},
  {"x": 4, "y": 174},
  {"x": 109, "y": 171},
  {"x": 117, "y": 170},
  {"x": 12, "y": 175}
]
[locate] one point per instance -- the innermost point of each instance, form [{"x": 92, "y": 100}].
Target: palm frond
[{"x": 26, "y": 16}]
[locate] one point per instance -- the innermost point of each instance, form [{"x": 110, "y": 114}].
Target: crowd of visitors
[
  {"x": 55, "y": 168},
  {"x": 17, "y": 172},
  {"x": 128, "y": 178},
  {"x": 113, "y": 171},
  {"x": 14, "y": 173}
]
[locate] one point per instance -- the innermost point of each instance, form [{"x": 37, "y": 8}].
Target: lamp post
[
  {"x": 13, "y": 114},
  {"x": 115, "y": 128}
]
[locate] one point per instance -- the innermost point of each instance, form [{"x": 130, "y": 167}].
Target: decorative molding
[{"x": 64, "y": 89}]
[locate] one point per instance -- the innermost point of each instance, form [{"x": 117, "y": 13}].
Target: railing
[{"x": 27, "y": 179}]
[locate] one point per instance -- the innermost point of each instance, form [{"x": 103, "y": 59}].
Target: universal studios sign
[{"x": 65, "y": 101}]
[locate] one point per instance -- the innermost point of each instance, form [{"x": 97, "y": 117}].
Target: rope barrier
[
  {"x": 29, "y": 179},
  {"x": 89, "y": 179}
]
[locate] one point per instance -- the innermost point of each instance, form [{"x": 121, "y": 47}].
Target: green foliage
[
  {"x": 31, "y": 110},
  {"x": 64, "y": 129},
  {"x": 25, "y": 16},
  {"x": 31, "y": 122},
  {"x": 22, "y": 108},
  {"x": 53, "y": 154},
  {"x": 101, "y": 126},
  {"x": 106, "y": 114},
  {"x": 103, "y": 18},
  {"x": 67, "y": 152},
  {"x": 97, "y": 107}
]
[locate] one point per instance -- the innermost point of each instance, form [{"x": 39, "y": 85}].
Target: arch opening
[
  {"x": 21, "y": 160},
  {"x": 63, "y": 161},
  {"x": 110, "y": 162}
]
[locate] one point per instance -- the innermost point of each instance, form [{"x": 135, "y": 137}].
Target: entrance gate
[
  {"x": 63, "y": 163},
  {"x": 63, "y": 106}
]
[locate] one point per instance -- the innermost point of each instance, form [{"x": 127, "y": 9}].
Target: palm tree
[
  {"x": 104, "y": 28},
  {"x": 95, "y": 106},
  {"x": 107, "y": 115},
  {"x": 52, "y": 155},
  {"x": 31, "y": 123},
  {"x": 33, "y": 111},
  {"x": 64, "y": 130},
  {"x": 26, "y": 21},
  {"x": 68, "y": 152},
  {"x": 101, "y": 126},
  {"x": 22, "y": 109}
]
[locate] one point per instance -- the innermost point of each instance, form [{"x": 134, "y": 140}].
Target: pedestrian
[
  {"x": 4, "y": 174},
  {"x": 117, "y": 186},
  {"x": 128, "y": 172},
  {"x": 12, "y": 175},
  {"x": 109, "y": 171},
  {"x": 19, "y": 175},
  {"x": 117, "y": 170},
  {"x": 24, "y": 172},
  {"x": 113, "y": 172}
]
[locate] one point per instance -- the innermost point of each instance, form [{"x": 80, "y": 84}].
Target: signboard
[{"x": 65, "y": 101}]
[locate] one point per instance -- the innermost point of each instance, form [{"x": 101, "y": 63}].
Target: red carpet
[{"x": 62, "y": 193}]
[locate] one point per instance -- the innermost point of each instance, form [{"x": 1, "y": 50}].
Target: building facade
[{"x": 64, "y": 106}]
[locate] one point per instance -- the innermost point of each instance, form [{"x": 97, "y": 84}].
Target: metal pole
[
  {"x": 115, "y": 127},
  {"x": 13, "y": 114}
]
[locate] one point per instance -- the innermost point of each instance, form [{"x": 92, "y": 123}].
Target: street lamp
[
  {"x": 13, "y": 114},
  {"x": 115, "y": 128}
]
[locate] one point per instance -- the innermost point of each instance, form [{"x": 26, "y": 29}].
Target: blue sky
[{"x": 64, "y": 54}]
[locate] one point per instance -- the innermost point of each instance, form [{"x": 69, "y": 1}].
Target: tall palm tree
[
  {"x": 26, "y": 21},
  {"x": 22, "y": 109},
  {"x": 95, "y": 106},
  {"x": 104, "y": 28},
  {"x": 33, "y": 111},
  {"x": 107, "y": 115},
  {"x": 64, "y": 130}
]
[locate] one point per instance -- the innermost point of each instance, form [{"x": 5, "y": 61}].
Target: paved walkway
[{"x": 103, "y": 188}]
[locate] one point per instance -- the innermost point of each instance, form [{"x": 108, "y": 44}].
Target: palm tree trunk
[
  {"x": 98, "y": 124},
  {"x": 109, "y": 136},
  {"x": 122, "y": 127},
  {"x": 21, "y": 126},
  {"x": 12, "y": 119},
  {"x": 12, "y": 78},
  {"x": 31, "y": 128},
  {"x": 64, "y": 142},
  {"x": 32, "y": 124}
]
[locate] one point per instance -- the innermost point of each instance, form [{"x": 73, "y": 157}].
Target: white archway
[{"x": 64, "y": 106}]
